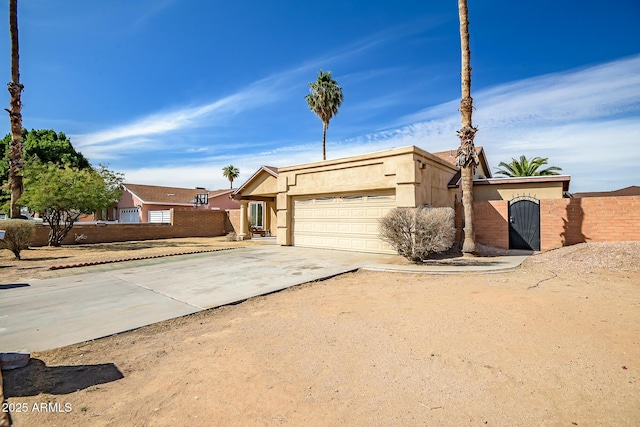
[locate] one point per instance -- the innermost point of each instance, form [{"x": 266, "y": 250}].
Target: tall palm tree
[
  {"x": 230, "y": 172},
  {"x": 466, "y": 158},
  {"x": 324, "y": 99},
  {"x": 15, "y": 115},
  {"x": 526, "y": 167}
]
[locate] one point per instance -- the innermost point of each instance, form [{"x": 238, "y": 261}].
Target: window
[{"x": 255, "y": 214}]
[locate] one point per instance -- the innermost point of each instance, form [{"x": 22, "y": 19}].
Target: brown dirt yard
[{"x": 554, "y": 342}]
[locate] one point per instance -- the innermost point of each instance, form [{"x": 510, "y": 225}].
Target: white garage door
[
  {"x": 347, "y": 222},
  {"x": 130, "y": 215}
]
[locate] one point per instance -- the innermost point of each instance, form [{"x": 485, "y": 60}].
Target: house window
[{"x": 256, "y": 214}]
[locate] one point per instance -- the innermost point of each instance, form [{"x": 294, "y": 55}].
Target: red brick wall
[
  {"x": 233, "y": 220},
  {"x": 186, "y": 223},
  {"x": 566, "y": 222},
  {"x": 491, "y": 223},
  {"x": 563, "y": 222}
]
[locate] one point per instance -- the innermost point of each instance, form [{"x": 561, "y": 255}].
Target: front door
[{"x": 524, "y": 224}]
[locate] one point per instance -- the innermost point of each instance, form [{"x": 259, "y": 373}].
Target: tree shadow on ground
[
  {"x": 454, "y": 257},
  {"x": 463, "y": 262},
  {"x": 44, "y": 258},
  {"x": 134, "y": 246},
  {"x": 37, "y": 378}
]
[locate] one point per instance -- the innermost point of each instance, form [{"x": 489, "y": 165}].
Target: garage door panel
[{"x": 342, "y": 222}]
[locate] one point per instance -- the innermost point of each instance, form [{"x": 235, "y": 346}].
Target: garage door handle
[{"x": 512, "y": 220}]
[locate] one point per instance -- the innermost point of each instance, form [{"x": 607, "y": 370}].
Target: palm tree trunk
[
  {"x": 15, "y": 115},
  {"x": 467, "y": 158},
  {"x": 325, "y": 125}
]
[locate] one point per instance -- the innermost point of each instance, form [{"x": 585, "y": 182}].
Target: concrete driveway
[{"x": 51, "y": 313}]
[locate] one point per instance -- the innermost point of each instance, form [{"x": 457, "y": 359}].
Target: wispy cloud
[
  {"x": 144, "y": 132},
  {"x": 253, "y": 96},
  {"x": 587, "y": 121}
]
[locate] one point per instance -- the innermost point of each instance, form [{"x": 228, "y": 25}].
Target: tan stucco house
[{"x": 336, "y": 204}]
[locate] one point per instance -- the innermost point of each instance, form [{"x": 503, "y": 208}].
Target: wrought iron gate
[{"x": 524, "y": 223}]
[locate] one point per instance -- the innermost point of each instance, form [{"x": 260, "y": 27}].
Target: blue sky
[{"x": 168, "y": 92}]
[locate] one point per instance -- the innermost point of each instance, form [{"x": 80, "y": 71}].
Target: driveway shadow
[{"x": 37, "y": 378}]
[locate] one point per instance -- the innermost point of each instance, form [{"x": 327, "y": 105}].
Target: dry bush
[
  {"x": 232, "y": 237},
  {"x": 18, "y": 235},
  {"x": 418, "y": 232}
]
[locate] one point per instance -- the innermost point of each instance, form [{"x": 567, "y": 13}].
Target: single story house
[
  {"x": 336, "y": 204},
  {"x": 150, "y": 203}
]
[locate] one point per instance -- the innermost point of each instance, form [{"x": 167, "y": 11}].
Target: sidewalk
[{"x": 458, "y": 265}]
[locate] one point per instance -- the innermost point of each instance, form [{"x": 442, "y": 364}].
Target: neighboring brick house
[{"x": 151, "y": 203}]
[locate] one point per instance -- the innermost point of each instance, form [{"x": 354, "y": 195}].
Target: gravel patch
[{"x": 588, "y": 257}]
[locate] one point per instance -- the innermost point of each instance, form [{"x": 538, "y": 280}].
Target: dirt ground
[{"x": 555, "y": 342}]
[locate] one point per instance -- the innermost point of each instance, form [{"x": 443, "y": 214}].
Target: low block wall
[
  {"x": 185, "y": 223},
  {"x": 233, "y": 219},
  {"x": 563, "y": 222},
  {"x": 589, "y": 219}
]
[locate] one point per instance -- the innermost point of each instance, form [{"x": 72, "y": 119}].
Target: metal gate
[{"x": 524, "y": 223}]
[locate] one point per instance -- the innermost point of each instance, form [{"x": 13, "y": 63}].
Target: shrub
[
  {"x": 418, "y": 232},
  {"x": 18, "y": 235},
  {"x": 232, "y": 237}
]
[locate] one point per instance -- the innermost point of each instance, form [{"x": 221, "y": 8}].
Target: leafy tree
[
  {"x": 526, "y": 167},
  {"x": 230, "y": 172},
  {"x": 466, "y": 158},
  {"x": 62, "y": 193},
  {"x": 324, "y": 99},
  {"x": 15, "y": 114},
  {"x": 46, "y": 146}
]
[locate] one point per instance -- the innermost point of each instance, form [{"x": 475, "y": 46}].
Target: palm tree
[
  {"x": 526, "y": 167},
  {"x": 324, "y": 99},
  {"x": 466, "y": 158},
  {"x": 230, "y": 172},
  {"x": 15, "y": 115}
]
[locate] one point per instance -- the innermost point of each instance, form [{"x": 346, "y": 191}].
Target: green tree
[
  {"x": 466, "y": 158},
  {"x": 15, "y": 114},
  {"x": 526, "y": 167},
  {"x": 324, "y": 99},
  {"x": 45, "y": 145},
  {"x": 62, "y": 193},
  {"x": 231, "y": 173}
]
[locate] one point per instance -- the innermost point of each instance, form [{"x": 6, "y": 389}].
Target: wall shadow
[
  {"x": 572, "y": 227},
  {"x": 37, "y": 378},
  {"x": 13, "y": 285}
]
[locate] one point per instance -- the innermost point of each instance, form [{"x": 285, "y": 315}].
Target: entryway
[{"x": 524, "y": 223}]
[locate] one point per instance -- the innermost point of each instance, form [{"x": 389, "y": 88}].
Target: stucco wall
[
  {"x": 416, "y": 177},
  {"x": 223, "y": 202},
  {"x": 507, "y": 191},
  {"x": 262, "y": 184}
]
